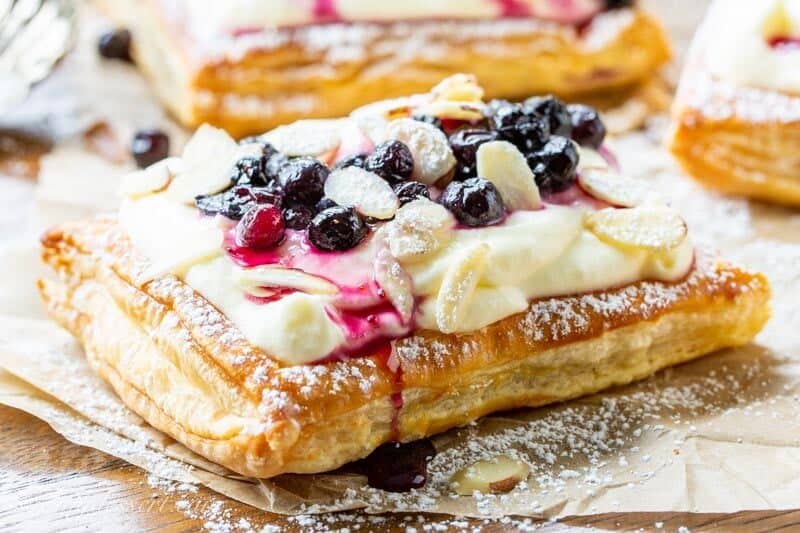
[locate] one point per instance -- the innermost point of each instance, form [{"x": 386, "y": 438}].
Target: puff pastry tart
[
  {"x": 293, "y": 301},
  {"x": 737, "y": 113},
  {"x": 250, "y": 65}
]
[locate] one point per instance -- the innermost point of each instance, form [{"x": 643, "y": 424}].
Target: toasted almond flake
[
  {"x": 616, "y": 189},
  {"x": 590, "y": 159},
  {"x": 458, "y": 287},
  {"x": 208, "y": 158},
  {"x": 396, "y": 283},
  {"x": 152, "y": 179},
  {"x": 652, "y": 228},
  {"x": 497, "y": 475},
  {"x": 274, "y": 276},
  {"x": 459, "y": 88},
  {"x": 311, "y": 138},
  {"x": 454, "y": 110},
  {"x": 420, "y": 228},
  {"x": 370, "y": 194},
  {"x": 433, "y": 157},
  {"x": 202, "y": 244},
  {"x": 504, "y": 165}
]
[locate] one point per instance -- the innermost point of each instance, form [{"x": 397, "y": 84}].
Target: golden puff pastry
[
  {"x": 736, "y": 119},
  {"x": 179, "y": 363},
  {"x": 291, "y": 302},
  {"x": 246, "y": 69}
]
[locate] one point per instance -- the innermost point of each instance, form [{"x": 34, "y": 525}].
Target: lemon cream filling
[{"x": 740, "y": 46}]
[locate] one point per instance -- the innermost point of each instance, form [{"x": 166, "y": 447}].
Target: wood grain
[{"x": 48, "y": 484}]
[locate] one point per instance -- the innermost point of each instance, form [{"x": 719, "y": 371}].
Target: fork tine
[
  {"x": 5, "y": 10},
  {"x": 42, "y": 43}
]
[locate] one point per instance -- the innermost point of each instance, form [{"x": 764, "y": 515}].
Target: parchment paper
[{"x": 718, "y": 435}]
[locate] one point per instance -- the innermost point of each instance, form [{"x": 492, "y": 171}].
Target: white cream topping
[{"x": 737, "y": 43}]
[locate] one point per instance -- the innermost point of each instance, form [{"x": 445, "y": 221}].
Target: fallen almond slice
[
  {"x": 152, "y": 179},
  {"x": 459, "y": 88},
  {"x": 433, "y": 158},
  {"x": 370, "y": 194},
  {"x": 208, "y": 158},
  {"x": 396, "y": 283},
  {"x": 420, "y": 228},
  {"x": 497, "y": 475},
  {"x": 458, "y": 287},
  {"x": 273, "y": 276},
  {"x": 311, "y": 138},
  {"x": 652, "y": 228},
  {"x": 504, "y": 165},
  {"x": 616, "y": 189}
]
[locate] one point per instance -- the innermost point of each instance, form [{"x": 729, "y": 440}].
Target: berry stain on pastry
[{"x": 354, "y": 244}]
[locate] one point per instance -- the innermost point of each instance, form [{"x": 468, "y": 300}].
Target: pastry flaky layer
[
  {"x": 183, "y": 366},
  {"x": 740, "y": 140},
  {"x": 252, "y": 83}
]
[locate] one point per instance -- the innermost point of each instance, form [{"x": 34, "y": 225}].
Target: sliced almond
[
  {"x": 152, "y": 179},
  {"x": 420, "y": 228},
  {"x": 495, "y": 476},
  {"x": 651, "y": 228},
  {"x": 433, "y": 157},
  {"x": 458, "y": 287},
  {"x": 354, "y": 142},
  {"x": 396, "y": 283},
  {"x": 370, "y": 194},
  {"x": 590, "y": 159},
  {"x": 504, "y": 165},
  {"x": 616, "y": 189},
  {"x": 275, "y": 276},
  {"x": 468, "y": 111},
  {"x": 198, "y": 245},
  {"x": 310, "y": 138},
  {"x": 208, "y": 158},
  {"x": 459, "y": 88}
]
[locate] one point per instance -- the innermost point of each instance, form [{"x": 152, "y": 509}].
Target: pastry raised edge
[
  {"x": 736, "y": 139},
  {"x": 622, "y": 49},
  {"x": 181, "y": 365}
]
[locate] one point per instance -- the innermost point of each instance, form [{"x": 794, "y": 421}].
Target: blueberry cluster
[
  {"x": 295, "y": 186},
  {"x": 541, "y": 128}
]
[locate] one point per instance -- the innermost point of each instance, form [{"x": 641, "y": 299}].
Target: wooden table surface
[{"x": 49, "y": 484}]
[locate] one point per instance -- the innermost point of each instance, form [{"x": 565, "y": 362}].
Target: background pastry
[
  {"x": 737, "y": 112},
  {"x": 250, "y": 66}
]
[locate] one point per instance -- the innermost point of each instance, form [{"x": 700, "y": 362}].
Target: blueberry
[
  {"x": 149, "y": 146},
  {"x": 475, "y": 202},
  {"x": 553, "y": 111},
  {"x": 555, "y": 165},
  {"x": 270, "y": 194},
  {"x": 337, "y": 229},
  {"x": 303, "y": 181},
  {"x": 396, "y": 467},
  {"x": 297, "y": 217},
  {"x": 261, "y": 227},
  {"x": 392, "y": 160},
  {"x": 249, "y": 171},
  {"x": 587, "y": 126},
  {"x": 408, "y": 191},
  {"x": 232, "y": 203},
  {"x": 272, "y": 162},
  {"x": 521, "y": 126},
  {"x": 115, "y": 45},
  {"x": 465, "y": 144},
  {"x": 324, "y": 204},
  {"x": 352, "y": 161}
]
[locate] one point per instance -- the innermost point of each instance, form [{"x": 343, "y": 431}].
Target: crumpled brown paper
[{"x": 718, "y": 435}]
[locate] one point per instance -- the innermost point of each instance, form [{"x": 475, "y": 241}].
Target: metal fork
[{"x": 34, "y": 36}]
